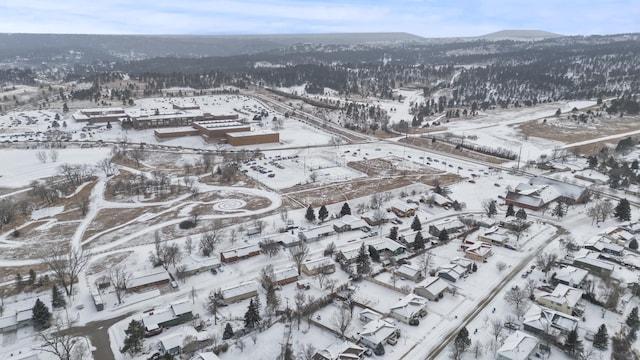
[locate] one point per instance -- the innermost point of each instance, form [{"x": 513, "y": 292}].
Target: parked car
[
  {"x": 414, "y": 322},
  {"x": 392, "y": 341}
]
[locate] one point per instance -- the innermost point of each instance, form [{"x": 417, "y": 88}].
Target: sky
[{"x": 428, "y": 18}]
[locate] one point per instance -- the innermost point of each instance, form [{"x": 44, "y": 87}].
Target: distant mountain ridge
[
  {"x": 520, "y": 35},
  {"x": 146, "y": 46}
]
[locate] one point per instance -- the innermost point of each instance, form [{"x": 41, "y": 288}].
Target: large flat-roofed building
[
  {"x": 99, "y": 115},
  {"x": 216, "y": 130},
  {"x": 144, "y": 120},
  {"x": 252, "y": 137},
  {"x": 175, "y": 132}
]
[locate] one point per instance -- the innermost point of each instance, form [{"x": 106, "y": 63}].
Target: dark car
[{"x": 414, "y": 322}]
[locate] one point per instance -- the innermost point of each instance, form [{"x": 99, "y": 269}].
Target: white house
[
  {"x": 432, "y": 288},
  {"x": 377, "y": 333},
  {"x": 409, "y": 272},
  {"x": 571, "y": 276},
  {"x": 410, "y": 307},
  {"x": 564, "y": 298},
  {"x": 518, "y": 346}
]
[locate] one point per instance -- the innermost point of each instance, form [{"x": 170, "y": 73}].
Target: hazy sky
[{"x": 429, "y": 18}]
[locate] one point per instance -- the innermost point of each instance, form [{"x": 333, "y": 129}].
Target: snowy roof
[
  {"x": 571, "y": 275},
  {"x": 170, "y": 130},
  {"x": 318, "y": 231},
  {"x": 590, "y": 174},
  {"x": 598, "y": 244},
  {"x": 153, "y": 319},
  {"x": 286, "y": 273},
  {"x": 528, "y": 200},
  {"x": 318, "y": 263},
  {"x": 377, "y": 331},
  {"x": 177, "y": 339},
  {"x": 409, "y": 305},
  {"x": 618, "y": 233},
  {"x": 387, "y": 244},
  {"x": 518, "y": 346},
  {"x": 241, "y": 251},
  {"x": 403, "y": 206},
  {"x": 448, "y": 223},
  {"x": 191, "y": 263},
  {"x": 343, "y": 350},
  {"x": 238, "y": 134},
  {"x": 591, "y": 259},
  {"x": 541, "y": 318},
  {"x": 370, "y": 315},
  {"x": 563, "y": 295},
  {"x": 434, "y": 285},
  {"x": 240, "y": 289},
  {"x": 205, "y": 356},
  {"x": 453, "y": 270},
  {"x": 284, "y": 238},
  {"x": 441, "y": 200},
  {"x": 408, "y": 270},
  {"x": 565, "y": 189},
  {"x": 352, "y": 221},
  {"x": 146, "y": 277},
  {"x": 215, "y": 124}
]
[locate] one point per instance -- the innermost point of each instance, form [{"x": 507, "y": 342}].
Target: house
[
  {"x": 348, "y": 223},
  {"x": 565, "y": 299},
  {"x": 174, "y": 314},
  {"x": 495, "y": 235},
  {"x": 519, "y": 346},
  {"x": 409, "y": 272},
  {"x": 591, "y": 175},
  {"x": 479, "y": 251},
  {"x": 240, "y": 253},
  {"x": 147, "y": 278},
  {"x": 174, "y": 343},
  {"x": 340, "y": 351},
  {"x": 192, "y": 265},
  {"x": 286, "y": 239},
  {"x": 18, "y": 319},
  {"x": 602, "y": 245},
  {"x": 387, "y": 245},
  {"x": 539, "y": 320},
  {"x": 403, "y": 209},
  {"x": 408, "y": 308},
  {"x": 376, "y": 333},
  {"x": 618, "y": 235},
  {"x": 589, "y": 260},
  {"x": 466, "y": 263},
  {"x": 239, "y": 292},
  {"x": 452, "y": 225},
  {"x": 315, "y": 266},
  {"x": 432, "y": 288},
  {"x": 452, "y": 272},
  {"x": 376, "y": 219},
  {"x": 368, "y": 315},
  {"x": 205, "y": 356},
  {"x": 571, "y": 276},
  {"x": 316, "y": 233},
  {"x": 285, "y": 276},
  {"x": 541, "y": 191}
]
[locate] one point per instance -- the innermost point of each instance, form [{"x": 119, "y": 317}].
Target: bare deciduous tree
[
  {"x": 210, "y": 238},
  {"x": 66, "y": 266},
  {"x": 41, "y": 155},
  {"x": 342, "y": 319},
  {"x": 270, "y": 247},
  {"x": 60, "y": 342},
  {"x": 83, "y": 204},
  {"x": 106, "y": 166},
  {"x": 118, "y": 277},
  {"x": 53, "y": 155},
  {"x": 299, "y": 254},
  {"x": 517, "y": 297},
  {"x": 495, "y": 327}
]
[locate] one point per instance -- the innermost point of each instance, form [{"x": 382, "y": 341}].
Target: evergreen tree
[
  {"x": 252, "y": 316},
  {"x": 323, "y": 214},
  {"x": 558, "y": 211},
  {"x": 134, "y": 339},
  {"x": 32, "y": 277},
  {"x": 363, "y": 266},
  {"x": 374, "y": 254},
  {"x": 443, "y": 237},
  {"x": 622, "y": 211},
  {"x": 601, "y": 339},
  {"x": 632, "y": 320},
  {"x": 228, "y": 332},
  {"x": 573, "y": 345},
  {"x": 416, "y": 225},
  {"x": 393, "y": 233},
  {"x": 41, "y": 316},
  {"x": 461, "y": 343},
  {"x": 521, "y": 214},
  {"x": 57, "y": 299},
  {"x": 510, "y": 211},
  {"x": 593, "y": 161},
  {"x": 346, "y": 210},
  {"x": 492, "y": 210},
  {"x": 418, "y": 242},
  {"x": 633, "y": 244},
  {"x": 474, "y": 267},
  {"x": 311, "y": 215}
]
